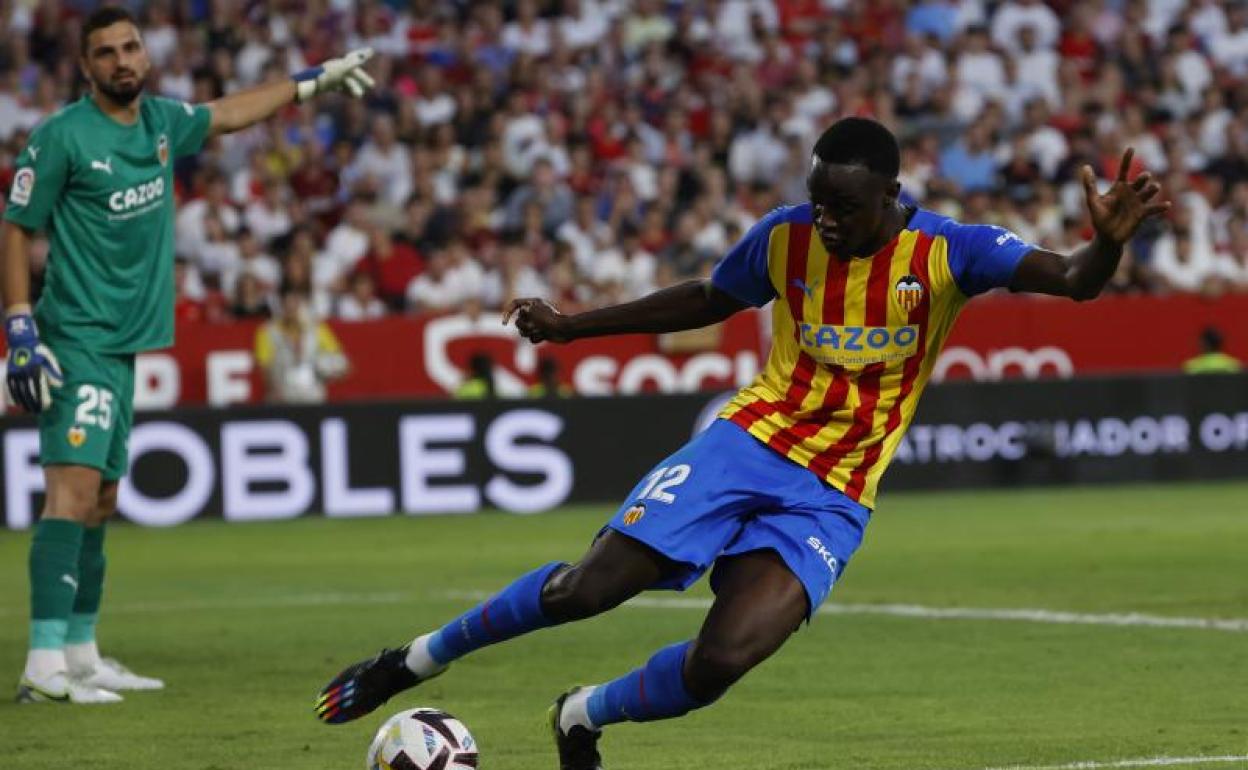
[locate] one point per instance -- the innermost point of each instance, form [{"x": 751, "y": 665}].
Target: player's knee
[
  {"x": 573, "y": 594},
  {"x": 70, "y": 502},
  {"x": 106, "y": 504},
  {"x": 713, "y": 666}
]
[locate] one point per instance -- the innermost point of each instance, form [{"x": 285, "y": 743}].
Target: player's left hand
[
  {"x": 346, "y": 73},
  {"x": 1117, "y": 214},
  {"x": 537, "y": 320}
]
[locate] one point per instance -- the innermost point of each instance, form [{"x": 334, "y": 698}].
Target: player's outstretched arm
[
  {"x": 688, "y": 305},
  {"x": 1116, "y": 216},
  {"x": 239, "y": 110}
]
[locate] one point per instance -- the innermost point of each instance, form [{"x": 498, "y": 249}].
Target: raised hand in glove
[{"x": 344, "y": 74}]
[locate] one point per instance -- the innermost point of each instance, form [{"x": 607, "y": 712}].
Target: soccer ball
[{"x": 422, "y": 739}]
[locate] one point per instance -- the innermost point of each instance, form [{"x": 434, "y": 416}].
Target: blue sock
[
  {"x": 515, "y": 610},
  {"x": 654, "y": 691}
]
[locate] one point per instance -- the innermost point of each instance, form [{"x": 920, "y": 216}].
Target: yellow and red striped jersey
[{"x": 854, "y": 340}]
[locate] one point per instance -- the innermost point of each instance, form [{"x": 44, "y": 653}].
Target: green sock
[
  {"x": 86, "y": 608},
  {"x": 53, "y": 580}
]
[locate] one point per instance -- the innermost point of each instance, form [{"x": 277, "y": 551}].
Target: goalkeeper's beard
[{"x": 121, "y": 94}]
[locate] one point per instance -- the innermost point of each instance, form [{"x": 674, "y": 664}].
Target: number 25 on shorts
[
  {"x": 95, "y": 406},
  {"x": 663, "y": 479}
]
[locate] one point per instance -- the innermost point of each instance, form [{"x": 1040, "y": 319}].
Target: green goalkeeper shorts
[{"x": 92, "y": 413}]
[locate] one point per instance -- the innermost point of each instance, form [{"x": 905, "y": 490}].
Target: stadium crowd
[{"x": 590, "y": 151}]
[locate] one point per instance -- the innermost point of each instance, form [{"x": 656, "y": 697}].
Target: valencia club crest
[{"x": 909, "y": 292}]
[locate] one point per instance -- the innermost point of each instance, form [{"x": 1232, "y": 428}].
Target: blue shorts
[{"x": 726, "y": 493}]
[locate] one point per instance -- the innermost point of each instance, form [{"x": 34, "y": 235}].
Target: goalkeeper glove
[
  {"x": 346, "y": 73},
  {"x": 32, "y": 369}
]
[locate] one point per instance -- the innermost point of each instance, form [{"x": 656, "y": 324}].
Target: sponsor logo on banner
[
  {"x": 381, "y": 459},
  {"x": 606, "y": 368},
  {"x": 995, "y": 339},
  {"x": 997, "y": 364}
]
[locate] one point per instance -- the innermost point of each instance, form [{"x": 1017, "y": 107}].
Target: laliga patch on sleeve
[{"x": 23, "y": 185}]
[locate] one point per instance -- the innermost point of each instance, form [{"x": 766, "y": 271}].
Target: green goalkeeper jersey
[{"x": 103, "y": 192}]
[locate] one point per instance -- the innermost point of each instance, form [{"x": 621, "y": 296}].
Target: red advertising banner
[
  {"x": 422, "y": 357},
  {"x": 401, "y": 357},
  {"x": 1009, "y": 336}
]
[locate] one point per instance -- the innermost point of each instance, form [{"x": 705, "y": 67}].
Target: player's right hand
[
  {"x": 344, "y": 74},
  {"x": 32, "y": 370},
  {"x": 537, "y": 320}
]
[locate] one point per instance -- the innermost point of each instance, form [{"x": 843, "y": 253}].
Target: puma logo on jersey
[
  {"x": 69, "y": 580},
  {"x": 809, "y": 291},
  {"x": 105, "y": 165}
]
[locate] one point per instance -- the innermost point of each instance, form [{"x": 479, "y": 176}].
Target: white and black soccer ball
[{"x": 422, "y": 739}]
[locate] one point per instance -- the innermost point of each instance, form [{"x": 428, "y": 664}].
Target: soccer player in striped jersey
[{"x": 775, "y": 494}]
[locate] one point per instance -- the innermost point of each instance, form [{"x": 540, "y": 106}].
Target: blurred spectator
[
  {"x": 969, "y": 163},
  {"x": 528, "y": 34},
  {"x": 269, "y": 217},
  {"x": 932, "y": 17},
  {"x": 392, "y": 265},
  {"x": 548, "y": 384},
  {"x": 1014, "y": 16},
  {"x": 348, "y": 242},
  {"x": 451, "y": 277},
  {"x": 552, "y": 196},
  {"x": 249, "y": 298},
  {"x": 254, "y": 261},
  {"x": 192, "y": 224},
  {"x": 383, "y": 165},
  {"x": 1212, "y": 359},
  {"x": 298, "y": 353},
  {"x": 1183, "y": 259},
  {"x": 361, "y": 302},
  {"x": 480, "y": 381}
]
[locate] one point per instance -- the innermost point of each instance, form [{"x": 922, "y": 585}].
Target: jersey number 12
[{"x": 662, "y": 480}]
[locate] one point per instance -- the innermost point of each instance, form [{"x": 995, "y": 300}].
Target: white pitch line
[
  {"x": 951, "y": 613},
  {"x": 277, "y": 601},
  {"x": 1144, "y": 762},
  {"x": 1237, "y": 625}
]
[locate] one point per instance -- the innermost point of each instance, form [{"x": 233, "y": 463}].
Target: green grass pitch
[{"x": 246, "y": 622}]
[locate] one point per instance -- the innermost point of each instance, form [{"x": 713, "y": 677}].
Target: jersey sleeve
[
  {"x": 188, "y": 125},
  {"x": 983, "y": 257},
  {"x": 42, "y": 173},
  {"x": 743, "y": 270}
]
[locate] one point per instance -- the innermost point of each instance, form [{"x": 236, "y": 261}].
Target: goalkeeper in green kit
[{"x": 97, "y": 177}]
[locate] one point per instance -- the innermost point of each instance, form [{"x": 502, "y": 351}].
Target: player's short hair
[
  {"x": 104, "y": 16},
  {"x": 860, "y": 142}
]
